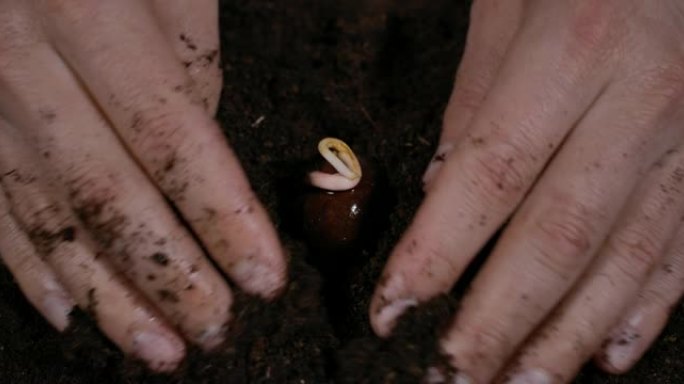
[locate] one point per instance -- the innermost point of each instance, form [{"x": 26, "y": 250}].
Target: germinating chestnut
[{"x": 337, "y": 204}]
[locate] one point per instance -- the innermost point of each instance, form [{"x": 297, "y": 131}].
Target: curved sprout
[{"x": 343, "y": 159}]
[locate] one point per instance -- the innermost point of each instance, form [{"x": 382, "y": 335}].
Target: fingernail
[
  {"x": 619, "y": 352},
  {"x": 622, "y": 345},
  {"x": 388, "y": 315},
  {"x": 435, "y": 376},
  {"x": 56, "y": 308},
  {"x": 436, "y": 163},
  {"x": 212, "y": 336},
  {"x": 161, "y": 352},
  {"x": 461, "y": 378},
  {"x": 256, "y": 278},
  {"x": 530, "y": 376}
]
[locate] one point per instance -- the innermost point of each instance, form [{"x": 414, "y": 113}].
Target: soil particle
[
  {"x": 69, "y": 234},
  {"x": 160, "y": 258},
  {"x": 168, "y": 296}
]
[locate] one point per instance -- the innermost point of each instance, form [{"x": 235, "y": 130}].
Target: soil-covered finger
[
  {"x": 124, "y": 212},
  {"x": 146, "y": 92},
  {"x": 513, "y": 136},
  {"x": 192, "y": 29},
  {"x": 646, "y": 318},
  {"x": 36, "y": 279},
  {"x": 41, "y": 210}
]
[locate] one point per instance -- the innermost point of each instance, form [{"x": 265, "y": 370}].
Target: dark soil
[{"x": 377, "y": 76}]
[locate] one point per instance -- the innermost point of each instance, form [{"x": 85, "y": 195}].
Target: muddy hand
[
  {"x": 568, "y": 118},
  {"x": 105, "y": 121}
]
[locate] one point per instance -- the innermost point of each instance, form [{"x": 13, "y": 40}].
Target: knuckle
[
  {"x": 636, "y": 251},
  {"x": 481, "y": 10},
  {"x": 46, "y": 222},
  {"x": 490, "y": 343},
  {"x": 660, "y": 297},
  {"x": 91, "y": 182},
  {"x": 436, "y": 265},
  {"x": 17, "y": 34},
  {"x": 156, "y": 129},
  {"x": 593, "y": 24},
  {"x": 40, "y": 213},
  {"x": 71, "y": 10},
  {"x": 469, "y": 92},
  {"x": 30, "y": 200},
  {"x": 563, "y": 237},
  {"x": 498, "y": 174},
  {"x": 158, "y": 132},
  {"x": 665, "y": 80}
]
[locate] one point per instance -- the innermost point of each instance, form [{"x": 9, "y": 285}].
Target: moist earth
[{"x": 376, "y": 74}]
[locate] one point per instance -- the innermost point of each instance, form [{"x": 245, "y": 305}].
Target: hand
[
  {"x": 105, "y": 125},
  {"x": 566, "y": 117}
]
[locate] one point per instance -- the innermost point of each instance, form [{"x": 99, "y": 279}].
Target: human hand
[
  {"x": 105, "y": 124},
  {"x": 567, "y": 118}
]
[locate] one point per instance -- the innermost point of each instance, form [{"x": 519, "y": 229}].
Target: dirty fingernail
[
  {"x": 56, "y": 308},
  {"x": 436, "y": 163},
  {"x": 531, "y": 376},
  {"x": 388, "y": 315},
  {"x": 622, "y": 346},
  {"x": 162, "y": 353},
  {"x": 619, "y": 352}
]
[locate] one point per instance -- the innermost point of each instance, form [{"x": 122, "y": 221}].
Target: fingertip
[
  {"x": 384, "y": 315},
  {"x": 265, "y": 278},
  {"x": 212, "y": 336},
  {"x": 160, "y": 349},
  {"x": 56, "y": 308},
  {"x": 603, "y": 362},
  {"x": 618, "y": 354}
]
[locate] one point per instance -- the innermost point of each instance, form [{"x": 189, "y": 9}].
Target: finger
[
  {"x": 644, "y": 320},
  {"x": 35, "y": 278},
  {"x": 486, "y": 46},
  {"x": 115, "y": 200},
  {"x": 43, "y": 214},
  {"x": 635, "y": 246},
  {"x": 192, "y": 29},
  {"x": 143, "y": 90},
  {"x": 562, "y": 224},
  {"x": 527, "y": 113}
]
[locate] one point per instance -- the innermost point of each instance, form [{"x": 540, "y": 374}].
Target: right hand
[{"x": 105, "y": 123}]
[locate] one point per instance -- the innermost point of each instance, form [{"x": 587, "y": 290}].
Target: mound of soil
[{"x": 377, "y": 76}]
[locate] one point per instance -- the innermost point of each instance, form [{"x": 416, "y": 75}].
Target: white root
[{"x": 342, "y": 158}]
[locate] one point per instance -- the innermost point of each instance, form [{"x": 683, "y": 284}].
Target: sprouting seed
[{"x": 343, "y": 159}]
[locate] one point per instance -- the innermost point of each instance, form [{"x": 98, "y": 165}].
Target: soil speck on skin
[
  {"x": 69, "y": 234},
  {"x": 160, "y": 258},
  {"x": 188, "y": 42},
  {"x": 167, "y": 295}
]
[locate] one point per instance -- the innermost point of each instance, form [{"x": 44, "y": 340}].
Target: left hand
[{"x": 568, "y": 118}]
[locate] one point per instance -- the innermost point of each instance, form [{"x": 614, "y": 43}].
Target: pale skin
[
  {"x": 105, "y": 111},
  {"x": 566, "y": 117}
]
